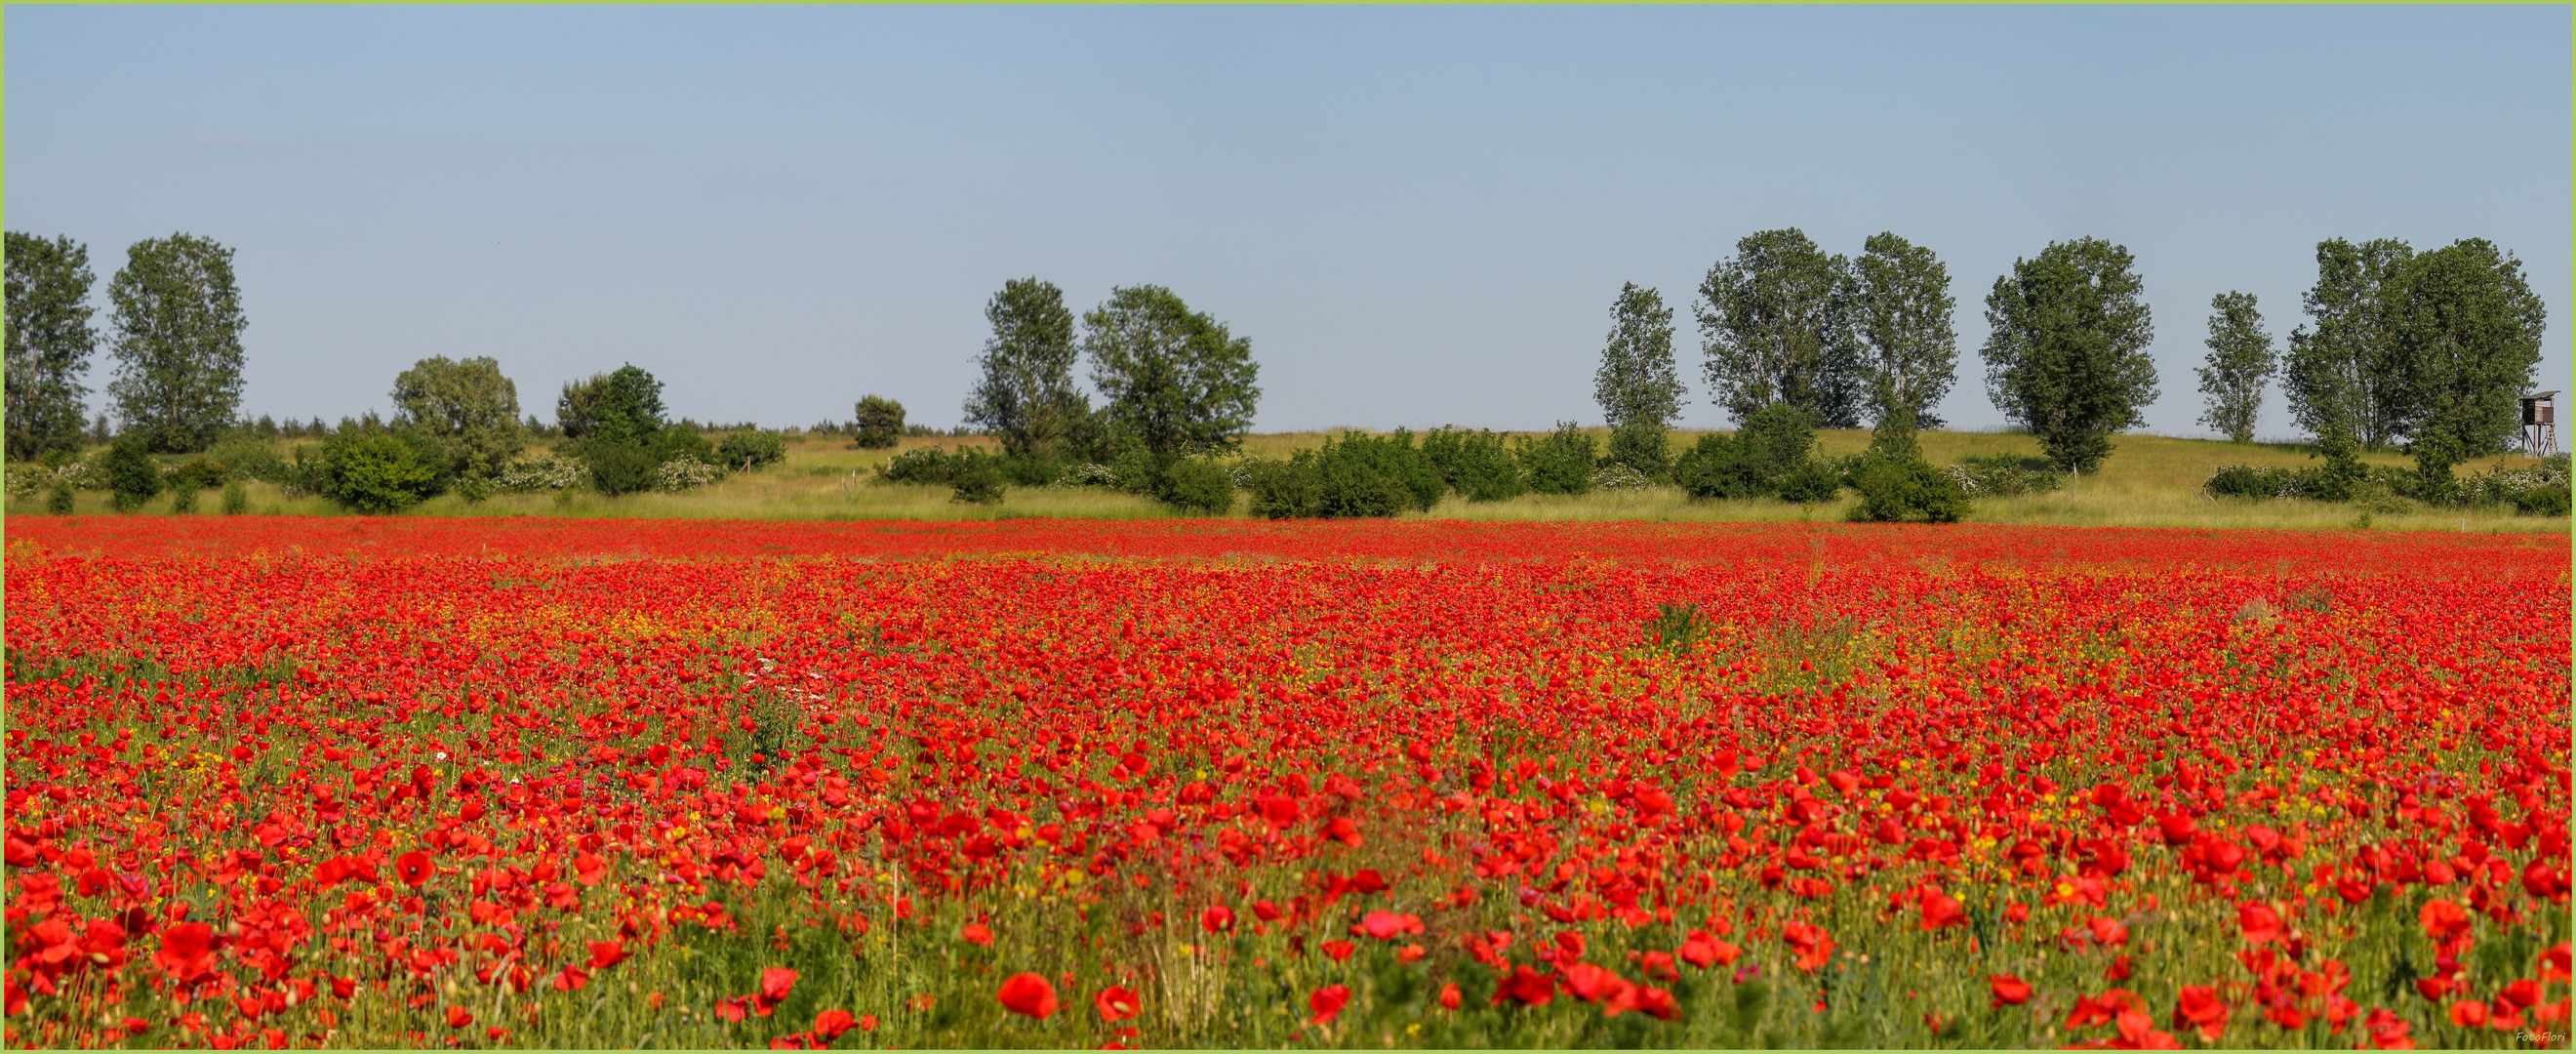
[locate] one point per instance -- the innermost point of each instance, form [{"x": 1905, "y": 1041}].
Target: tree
[
  {"x": 577, "y": 410},
  {"x": 629, "y": 410},
  {"x": 2067, "y": 356},
  {"x": 2346, "y": 368},
  {"x": 1776, "y": 326},
  {"x": 1636, "y": 385},
  {"x": 2240, "y": 364},
  {"x": 1027, "y": 395},
  {"x": 1901, "y": 297},
  {"x": 2470, "y": 340},
  {"x": 1175, "y": 379},
  {"x": 178, "y": 323},
  {"x": 49, "y": 344},
  {"x": 131, "y": 474},
  {"x": 469, "y": 404},
  {"x": 880, "y": 422}
]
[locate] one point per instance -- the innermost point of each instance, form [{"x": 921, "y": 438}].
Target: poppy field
[{"x": 311, "y": 782}]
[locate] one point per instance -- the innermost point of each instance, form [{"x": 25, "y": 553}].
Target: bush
[
  {"x": 1353, "y": 476},
  {"x": 1779, "y": 438},
  {"x": 980, "y": 484},
  {"x": 1196, "y": 486},
  {"x": 2542, "y": 501},
  {"x": 684, "y": 473},
  {"x": 928, "y": 465},
  {"x": 1893, "y": 490},
  {"x": 58, "y": 498},
  {"x": 131, "y": 473},
  {"x": 236, "y": 498},
  {"x": 2245, "y": 481},
  {"x": 1280, "y": 489},
  {"x": 243, "y": 455},
  {"x": 1720, "y": 466},
  {"x": 545, "y": 470},
  {"x": 1810, "y": 483},
  {"x": 2006, "y": 475},
  {"x": 1559, "y": 463},
  {"x": 880, "y": 422},
  {"x": 744, "y": 451},
  {"x": 1032, "y": 469},
  {"x": 372, "y": 471},
  {"x": 621, "y": 468},
  {"x": 196, "y": 473},
  {"x": 1476, "y": 464},
  {"x": 1615, "y": 476},
  {"x": 183, "y": 500},
  {"x": 1644, "y": 447}
]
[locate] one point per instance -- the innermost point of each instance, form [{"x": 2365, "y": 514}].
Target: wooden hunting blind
[{"x": 2540, "y": 424}]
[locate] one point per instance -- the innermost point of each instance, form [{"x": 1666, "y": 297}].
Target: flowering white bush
[
  {"x": 544, "y": 470},
  {"x": 683, "y": 473},
  {"x": 1619, "y": 477}
]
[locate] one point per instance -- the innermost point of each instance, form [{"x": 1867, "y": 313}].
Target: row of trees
[
  {"x": 1176, "y": 381},
  {"x": 175, "y": 324},
  {"x": 2430, "y": 348},
  {"x": 1839, "y": 339}
]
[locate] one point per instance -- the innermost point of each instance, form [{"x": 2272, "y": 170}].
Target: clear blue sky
[{"x": 1418, "y": 216}]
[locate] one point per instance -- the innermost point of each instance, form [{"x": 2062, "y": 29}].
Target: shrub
[
  {"x": 980, "y": 484},
  {"x": 880, "y": 422},
  {"x": 373, "y": 471},
  {"x": 58, "y": 498},
  {"x": 2245, "y": 481},
  {"x": 1355, "y": 475},
  {"x": 1197, "y": 486},
  {"x": 1560, "y": 462},
  {"x": 2542, "y": 501},
  {"x": 1280, "y": 489},
  {"x": 1893, "y": 490},
  {"x": 236, "y": 498},
  {"x": 744, "y": 451},
  {"x": 2005, "y": 476},
  {"x": 1476, "y": 464},
  {"x": 1615, "y": 476},
  {"x": 930, "y": 465},
  {"x": 131, "y": 473},
  {"x": 621, "y": 468},
  {"x": 1644, "y": 447},
  {"x": 243, "y": 455},
  {"x": 1031, "y": 469},
  {"x": 684, "y": 473},
  {"x": 1721, "y": 466},
  {"x": 1810, "y": 483},
  {"x": 196, "y": 473},
  {"x": 545, "y": 470},
  {"x": 1779, "y": 438}
]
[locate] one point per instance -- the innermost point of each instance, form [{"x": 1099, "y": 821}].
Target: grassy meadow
[{"x": 2149, "y": 481}]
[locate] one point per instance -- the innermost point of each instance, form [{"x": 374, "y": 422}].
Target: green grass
[{"x": 2149, "y": 481}]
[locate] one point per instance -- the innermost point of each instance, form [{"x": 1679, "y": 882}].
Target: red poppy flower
[
  {"x": 2200, "y": 1006},
  {"x": 1450, "y": 997},
  {"x": 1029, "y": 995},
  {"x": 977, "y": 934},
  {"x": 413, "y": 868},
  {"x": 1217, "y": 919},
  {"x": 1813, "y": 945},
  {"x": 2007, "y": 989},
  {"x": 186, "y": 948},
  {"x": 1116, "y": 1004},
  {"x": 604, "y": 954},
  {"x": 1940, "y": 910},
  {"x": 2259, "y": 923},
  {"x": 2443, "y": 920},
  {"x": 1328, "y": 1002},
  {"x": 459, "y": 1017},
  {"x": 831, "y": 1023},
  {"x": 775, "y": 983}
]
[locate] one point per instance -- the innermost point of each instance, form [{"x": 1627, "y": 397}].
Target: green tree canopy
[
  {"x": 880, "y": 422},
  {"x": 49, "y": 344},
  {"x": 178, "y": 322},
  {"x": 2067, "y": 355},
  {"x": 2346, "y": 367},
  {"x": 630, "y": 408},
  {"x": 2471, "y": 339},
  {"x": 1776, "y": 326},
  {"x": 1901, "y": 296},
  {"x": 1176, "y": 381},
  {"x": 2240, "y": 364},
  {"x": 468, "y": 403},
  {"x": 1637, "y": 384},
  {"x": 1027, "y": 395}
]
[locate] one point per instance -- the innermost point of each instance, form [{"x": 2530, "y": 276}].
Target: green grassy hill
[{"x": 2148, "y": 481}]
